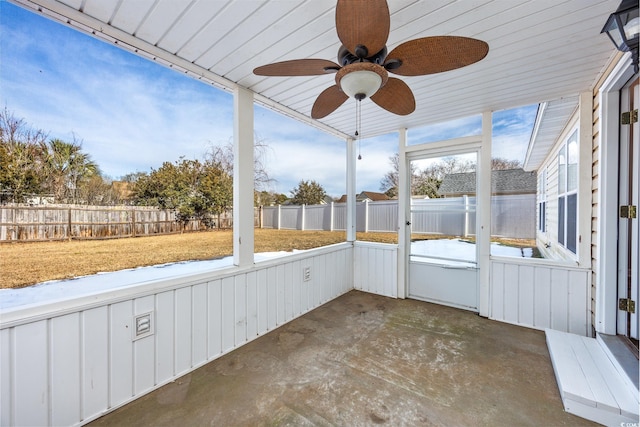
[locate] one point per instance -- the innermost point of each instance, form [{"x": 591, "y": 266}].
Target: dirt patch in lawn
[{"x": 24, "y": 264}]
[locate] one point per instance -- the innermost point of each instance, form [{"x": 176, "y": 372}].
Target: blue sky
[{"x": 131, "y": 114}]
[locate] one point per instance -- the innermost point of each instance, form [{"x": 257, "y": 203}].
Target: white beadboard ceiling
[{"x": 540, "y": 50}]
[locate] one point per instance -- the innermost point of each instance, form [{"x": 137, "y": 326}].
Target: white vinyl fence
[{"x": 511, "y": 216}]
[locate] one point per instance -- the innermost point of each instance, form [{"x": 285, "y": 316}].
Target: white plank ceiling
[{"x": 540, "y": 50}]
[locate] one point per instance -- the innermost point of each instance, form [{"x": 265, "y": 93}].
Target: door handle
[{"x": 408, "y": 222}]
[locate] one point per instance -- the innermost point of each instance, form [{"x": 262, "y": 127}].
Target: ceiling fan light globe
[{"x": 360, "y": 83}]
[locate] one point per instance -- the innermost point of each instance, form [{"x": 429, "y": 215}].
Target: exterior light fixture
[{"x": 623, "y": 27}]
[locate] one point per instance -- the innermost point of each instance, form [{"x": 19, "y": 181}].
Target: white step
[{"x": 590, "y": 386}]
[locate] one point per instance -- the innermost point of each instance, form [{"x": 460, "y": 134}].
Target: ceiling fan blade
[
  {"x": 430, "y": 55},
  {"x": 396, "y": 97},
  {"x": 328, "y": 102},
  {"x": 363, "y": 23},
  {"x": 298, "y": 67}
]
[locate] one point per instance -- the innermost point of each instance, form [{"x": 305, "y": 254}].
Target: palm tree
[{"x": 67, "y": 166}]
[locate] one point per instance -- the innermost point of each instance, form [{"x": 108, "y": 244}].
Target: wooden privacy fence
[{"x": 64, "y": 222}]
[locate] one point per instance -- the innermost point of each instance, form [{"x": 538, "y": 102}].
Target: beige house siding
[
  {"x": 595, "y": 200},
  {"x": 548, "y": 240}
]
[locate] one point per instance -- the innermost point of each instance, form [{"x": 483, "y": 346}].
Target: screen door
[{"x": 443, "y": 253}]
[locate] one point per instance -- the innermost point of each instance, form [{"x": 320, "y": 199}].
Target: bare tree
[
  {"x": 430, "y": 178},
  {"x": 499, "y": 163},
  {"x": 222, "y": 156},
  {"x": 389, "y": 184},
  {"x": 21, "y": 158}
]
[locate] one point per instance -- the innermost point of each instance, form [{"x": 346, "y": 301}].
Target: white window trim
[
  {"x": 573, "y": 135},
  {"x": 542, "y": 199}
]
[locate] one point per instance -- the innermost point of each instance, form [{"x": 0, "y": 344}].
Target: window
[
  {"x": 568, "y": 193},
  {"x": 515, "y": 193},
  {"x": 542, "y": 201}
]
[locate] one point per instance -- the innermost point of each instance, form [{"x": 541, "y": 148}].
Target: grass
[{"x": 24, "y": 264}]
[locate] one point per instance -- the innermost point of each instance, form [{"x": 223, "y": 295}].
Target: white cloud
[
  {"x": 457, "y": 128},
  {"x": 132, "y": 114}
]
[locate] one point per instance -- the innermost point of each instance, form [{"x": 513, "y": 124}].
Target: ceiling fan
[{"x": 364, "y": 65}]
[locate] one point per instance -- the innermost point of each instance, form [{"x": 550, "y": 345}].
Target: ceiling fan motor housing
[{"x": 345, "y": 57}]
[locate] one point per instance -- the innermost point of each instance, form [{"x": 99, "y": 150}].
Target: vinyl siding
[{"x": 550, "y": 236}]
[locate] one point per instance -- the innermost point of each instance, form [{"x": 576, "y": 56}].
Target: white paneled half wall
[
  {"x": 68, "y": 363},
  {"x": 541, "y": 295},
  {"x": 376, "y": 268}
]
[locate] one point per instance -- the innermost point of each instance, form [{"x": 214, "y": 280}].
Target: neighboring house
[
  {"x": 327, "y": 200},
  {"x": 40, "y": 200},
  {"x": 366, "y": 196},
  {"x": 503, "y": 182}
]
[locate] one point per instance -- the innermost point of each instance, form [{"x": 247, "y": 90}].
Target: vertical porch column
[
  {"x": 483, "y": 215},
  {"x": 243, "y": 217},
  {"x": 331, "y": 214},
  {"x": 351, "y": 190},
  {"x": 279, "y": 217},
  {"x": 404, "y": 215},
  {"x": 366, "y": 216}
]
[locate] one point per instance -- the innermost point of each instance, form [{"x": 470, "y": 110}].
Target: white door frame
[
  {"x": 606, "y": 287},
  {"x": 627, "y": 249},
  {"x": 483, "y": 206},
  {"x": 472, "y": 144}
]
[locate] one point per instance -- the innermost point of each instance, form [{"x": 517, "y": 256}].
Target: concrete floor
[{"x": 365, "y": 360}]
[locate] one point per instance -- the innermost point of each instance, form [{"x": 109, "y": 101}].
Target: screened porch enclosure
[{"x": 72, "y": 360}]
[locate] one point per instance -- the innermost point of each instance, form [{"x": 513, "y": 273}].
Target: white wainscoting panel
[
  {"x": 67, "y": 363},
  {"x": 376, "y": 268},
  {"x": 541, "y": 295}
]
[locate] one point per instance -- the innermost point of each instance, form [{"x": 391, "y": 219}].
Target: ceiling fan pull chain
[{"x": 359, "y": 124}]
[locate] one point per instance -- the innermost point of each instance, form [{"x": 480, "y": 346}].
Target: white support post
[
  {"x": 279, "y": 221},
  {"x": 302, "y": 220},
  {"x": 243, "y": 227},
  {"x": 404, "y": 214},
  {"x": 331, "y": 215},
  {"x": 366, "y": 216},
  {"x": 351, "y": 190},
  {"x": 483, "y": 215}
]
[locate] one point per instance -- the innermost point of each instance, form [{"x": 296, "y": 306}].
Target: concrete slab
[{"x": 363, "y": 360}]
